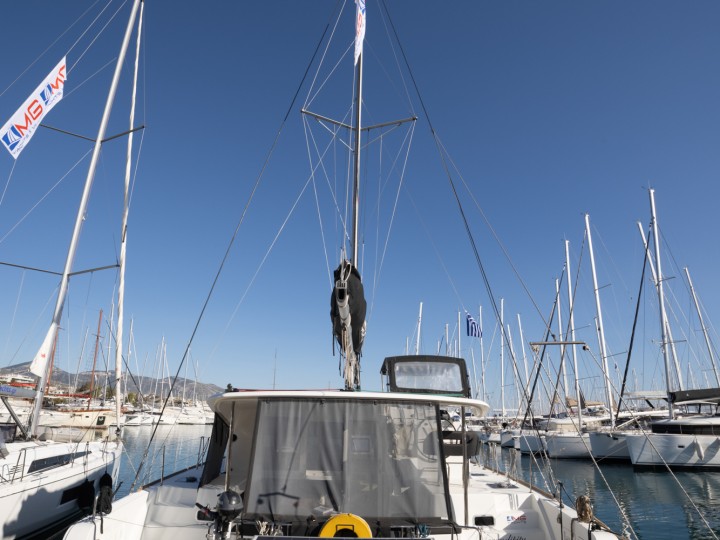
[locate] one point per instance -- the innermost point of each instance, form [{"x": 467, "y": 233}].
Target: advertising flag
[
  {"x": 17, "y": 132},
  {"x": 473, "y": 328},
  {"x": 359, "y": 29}
]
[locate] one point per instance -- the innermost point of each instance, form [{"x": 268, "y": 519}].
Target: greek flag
[{"x": 473, "y": 328}]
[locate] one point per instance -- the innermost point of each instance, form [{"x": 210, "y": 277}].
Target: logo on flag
[
  {"x": 473, "y": 328},
  {"x": 359, "y": 28},
  {"x": 18, "y": 131}
]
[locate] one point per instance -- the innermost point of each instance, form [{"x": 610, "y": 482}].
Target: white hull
[
  {"x": 139, "y": 419},
  {"x": 33, "y": 498},
  {"x": 168, "y": 512},
  {"x": 609, "y": 445},
  {"x": 530, "y": 443},
  {"x": 568, "y": 445},
  {"x": 658, "y": 449},
  {"x": 507, "y": 438},
  {"x": 98, "y": 418}
]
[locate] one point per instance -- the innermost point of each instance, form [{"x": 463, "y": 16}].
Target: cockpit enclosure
[
  {"x": 426, "y": 374},
  {"x": 312, "y": 457}
]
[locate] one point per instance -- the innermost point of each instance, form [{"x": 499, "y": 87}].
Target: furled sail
[{"x": 347, "y": 312}]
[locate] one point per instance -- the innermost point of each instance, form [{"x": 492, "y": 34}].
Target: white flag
[
  {"x": 18, "y": 131},
  {"x": 39, "y": 363},
  {"x": 359, "y": 28}
]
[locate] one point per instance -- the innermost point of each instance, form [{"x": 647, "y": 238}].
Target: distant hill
[{"x": 150, "y": 385}]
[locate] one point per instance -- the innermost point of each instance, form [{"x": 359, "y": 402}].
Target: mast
[
  {"x": 561, "y": 337},
  {"x": 459, "y": 333},
  {"x": 703, "y": 327},
  {"x": 92, "y": 373},
  {"x": 482, "y": 355},
  {"x": 123, "y": 234},
  {"x": 62, "y": 292},
  {"x": 571, "y": 318},
  {"x": 600, "y": 326},
  {"x": 356, "y": 161},
  {"x": 502, "y": 357},
  {"x": 668, "y": 330},
  {"x": 419, "y": 328},
  {"x": 661, "y": 299}
]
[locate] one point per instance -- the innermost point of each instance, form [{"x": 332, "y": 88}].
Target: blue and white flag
[
  {"x": 359, "y": 28},
  {"x": 18, "y": 131},
  {"x": 473, "y": 328}
]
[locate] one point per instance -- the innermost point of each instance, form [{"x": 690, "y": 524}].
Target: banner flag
[
  {"x": 359, "y": 29},
  {"x": 17, "y": 132}
]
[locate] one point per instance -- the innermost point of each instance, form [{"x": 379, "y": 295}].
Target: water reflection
[
  {"x": 657, "y": 504},
  {"x": 173, "y": 448}
]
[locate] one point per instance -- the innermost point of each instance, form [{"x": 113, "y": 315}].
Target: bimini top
[{"x": 222, "y": 403}]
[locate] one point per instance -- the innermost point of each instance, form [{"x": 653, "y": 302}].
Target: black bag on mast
[{"x": 348, "y": 283}]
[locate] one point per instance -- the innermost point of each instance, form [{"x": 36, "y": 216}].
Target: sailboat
[
  {"x": 681, "y": 441},
  {"x": 346, "y": 462},
  {"x": 46, "y": 483}
]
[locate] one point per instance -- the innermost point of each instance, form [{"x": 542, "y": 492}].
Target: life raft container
[{"x": 345, "y": 526}]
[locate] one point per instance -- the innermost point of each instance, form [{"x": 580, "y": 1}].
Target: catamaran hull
[
  {"x": 167, "y": 512},
  {"x": 32, "y": 500}
]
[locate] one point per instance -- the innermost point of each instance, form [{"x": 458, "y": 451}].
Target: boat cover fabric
[{"x": 317, "y": 457}]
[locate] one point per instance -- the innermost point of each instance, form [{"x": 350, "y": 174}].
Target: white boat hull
[
  {"x": 609, "y": 445},
  {"x": 568, "y": 445},
  {"x": 64, "y": 476},
  {"x": 507, "y": 438},
  {"x": 168, "y": 512},
  {"x": 658, "y": 449},
  {"x": 530, "y": 443}
]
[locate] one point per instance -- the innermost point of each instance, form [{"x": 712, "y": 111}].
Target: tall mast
[
  {"x": 571, "y": 317},
  {"x": 92, "y": 373},
  {"x": 502, "y": 357},
  {"x": 668, "y": 330},
  {"x": 356, "y": 162},
  {"x": 123, "y": 235},
  {"x": 703, "y": 327},
  {"x": 661, "y": 300},
  {"x": 600, "y": 326},
  {"x": 419, "y": 329},
  {"x": 561, "y": 337},
  {"x": 62, "y": 292}
]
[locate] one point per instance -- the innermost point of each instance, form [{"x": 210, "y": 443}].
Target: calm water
[
  {"x": 173, "y": 448},
  {"x": 656, "y": 504}
]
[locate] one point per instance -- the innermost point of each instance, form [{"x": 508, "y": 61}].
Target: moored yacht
[{"x": 334, "y": 463}]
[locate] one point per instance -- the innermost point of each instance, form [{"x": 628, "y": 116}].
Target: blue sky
[{"x": 549, "y": 111}]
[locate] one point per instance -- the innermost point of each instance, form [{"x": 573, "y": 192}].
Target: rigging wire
[
  {"x": 52, "y": 188},
  {"x": 231, "y": 242},
  {"x": 42, "y": 54},
  {"x": 444, "y": 160}
]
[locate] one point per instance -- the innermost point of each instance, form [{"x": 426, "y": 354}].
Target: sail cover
[{"x": 348, "y": 286}]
